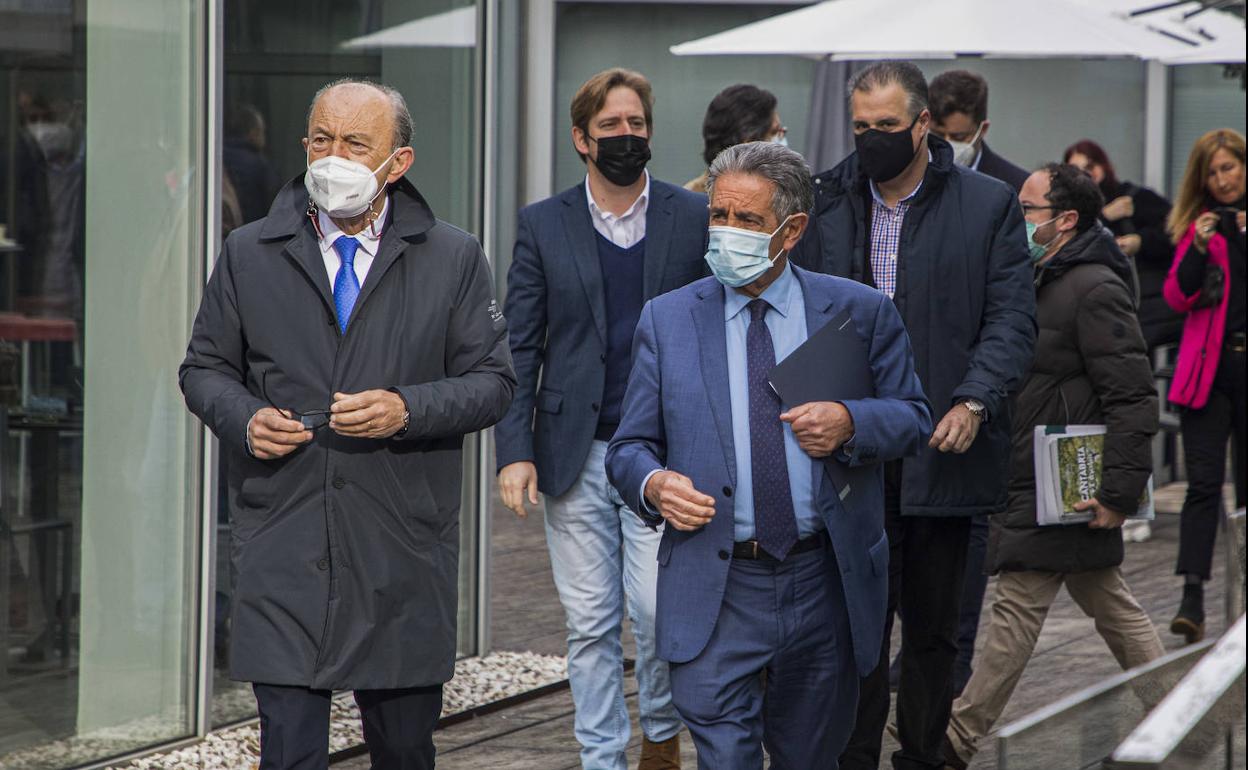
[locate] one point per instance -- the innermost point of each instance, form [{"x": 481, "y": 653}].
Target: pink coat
[{"x": 1203, "y": 330}]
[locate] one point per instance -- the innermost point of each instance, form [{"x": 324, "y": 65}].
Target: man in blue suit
[
  {"x": 585, "y": 262},
  {"x": 764, "y": 565}
]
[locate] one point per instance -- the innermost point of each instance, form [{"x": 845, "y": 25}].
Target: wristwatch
[
  {"x": 407, "y": 417},
  {"x": 976, "y": 408}
]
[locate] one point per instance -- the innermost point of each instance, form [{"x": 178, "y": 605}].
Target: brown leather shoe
[{"x": 660, "y": 756}]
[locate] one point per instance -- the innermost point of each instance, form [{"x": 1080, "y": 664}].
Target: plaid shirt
[{"x": 886, "y": 237}]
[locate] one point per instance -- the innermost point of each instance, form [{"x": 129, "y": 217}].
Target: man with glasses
[
  {"x": 948, "y": 246},
  {"x": 345, "y": 345}
]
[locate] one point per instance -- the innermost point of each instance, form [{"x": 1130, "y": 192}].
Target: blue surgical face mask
[
  {"x": 1038, "y": 250},
  {"x": 738, "y": 257}
]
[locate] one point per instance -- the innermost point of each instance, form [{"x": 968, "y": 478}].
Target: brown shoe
[{"x": 660, "y": 756}]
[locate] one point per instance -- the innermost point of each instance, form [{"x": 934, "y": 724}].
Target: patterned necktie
[
  {"x": 346, "y": 285},
  {"x": 775, "y": 526}
]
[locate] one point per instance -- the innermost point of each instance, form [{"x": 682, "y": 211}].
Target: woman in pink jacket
[{"x": 1206, "y": 283}]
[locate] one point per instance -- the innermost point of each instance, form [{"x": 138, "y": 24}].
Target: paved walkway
[{"x": 538, "y": 735}]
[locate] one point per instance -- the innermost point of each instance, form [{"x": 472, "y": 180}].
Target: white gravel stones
[{"x": 477, "y": 681}]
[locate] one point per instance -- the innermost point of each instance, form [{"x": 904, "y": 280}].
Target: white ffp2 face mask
[
  {"x": 964, "y": 152},
  {"x": 342, "y": 188}
]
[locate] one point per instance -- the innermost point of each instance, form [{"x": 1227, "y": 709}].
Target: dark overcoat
[
  {"x": 964, "y": 291},
  {"x": 344, "y": 554}
]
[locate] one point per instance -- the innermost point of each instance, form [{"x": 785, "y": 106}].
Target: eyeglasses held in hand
[{"x": 317, "y": 418}]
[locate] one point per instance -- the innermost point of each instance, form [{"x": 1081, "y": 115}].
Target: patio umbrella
[
  {"x": 846, "y": 30},
  {"x": 1211, "y": 36},
  {"x": 452, "y": 29}
]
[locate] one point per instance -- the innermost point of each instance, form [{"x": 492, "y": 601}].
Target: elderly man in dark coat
[
  {"x": 1091, "y": 368},
  {"x": 345, "y": 345}
]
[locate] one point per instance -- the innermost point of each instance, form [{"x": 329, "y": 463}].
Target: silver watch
[{"x": 976, "y": 408}]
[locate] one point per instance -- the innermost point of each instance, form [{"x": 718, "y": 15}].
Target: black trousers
[
  {"x": 974, "y": 584},
  {"x": 1205, "y": 432},
  {"x": 927, "y": 561},
  {"x": 398, "y": 727}
]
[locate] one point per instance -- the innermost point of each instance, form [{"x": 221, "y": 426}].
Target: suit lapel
[
  {"x": 583, "y": 251},
  {"x": 708, "y": 317},
  {"x": 660, "y": 220},
  {"x": 305, "y": 252}
]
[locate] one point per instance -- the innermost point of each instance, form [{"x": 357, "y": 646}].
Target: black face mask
[
  {"x": 883, "y": 155},
  {"x": 621, "y": 159}
]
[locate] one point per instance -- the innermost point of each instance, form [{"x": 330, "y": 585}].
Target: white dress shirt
[
  {"x": 369, "y": 238},
  {"x": 627, "y": 228}
]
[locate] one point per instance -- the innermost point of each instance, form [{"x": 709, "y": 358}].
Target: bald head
[{"x": 365, "y": 100}]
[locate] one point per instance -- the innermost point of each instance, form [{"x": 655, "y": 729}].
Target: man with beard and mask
[
  {"x": 766, "y": 564},
  {"x": 585, "y": 262},
  {"x": 948, "y": 246},
  {"x": 959, "y": 102},
  {"x": 345, "y": 345},
  {"x": 1091, "y": 367}
]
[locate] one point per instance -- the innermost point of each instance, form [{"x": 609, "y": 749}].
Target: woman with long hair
[{"x": 1206, "y": 283}]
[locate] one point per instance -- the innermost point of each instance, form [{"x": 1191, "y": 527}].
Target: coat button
[
  {"x": 323, "y": 564},
  {"x": 602, "y": 357},
  {"x": 723, "y": 555},
  {"x": 594, "y": 406},
  {"x": 339, "y": 482},
  {"x": 727, "y": 491}
]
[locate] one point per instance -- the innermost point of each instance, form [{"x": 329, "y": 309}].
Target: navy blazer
[
  {"x": 556, "y": 314},
  {"x": 997, "y": 167},
  {"x": 678, "y": 415}
]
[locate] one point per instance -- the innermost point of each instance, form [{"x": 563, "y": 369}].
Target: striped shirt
[{"x": 886, "y": 237}]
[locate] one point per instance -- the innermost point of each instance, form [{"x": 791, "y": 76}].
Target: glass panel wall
[
  {"x": 278, "y": 53},
  {"x": 100, "y": 221}
]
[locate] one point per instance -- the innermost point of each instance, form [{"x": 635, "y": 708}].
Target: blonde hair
[{"x": 1191, "y": 196}]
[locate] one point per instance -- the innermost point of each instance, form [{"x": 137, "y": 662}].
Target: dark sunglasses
[{"x": 317, "y": 418}]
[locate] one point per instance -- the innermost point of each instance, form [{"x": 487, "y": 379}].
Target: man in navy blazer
[
  {"x": 764, "y": 565},
  {"x": 585, "y": 262}
]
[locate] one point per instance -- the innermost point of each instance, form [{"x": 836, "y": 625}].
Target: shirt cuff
[
  {"x": 651, "y": 517},
  {"x": 247, "y": 437},
  {"x": 846, "y": 451}
]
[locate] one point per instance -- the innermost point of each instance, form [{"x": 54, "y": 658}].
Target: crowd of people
[{"x": 760, "y": 532}]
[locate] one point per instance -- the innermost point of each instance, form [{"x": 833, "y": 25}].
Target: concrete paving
[{"x": 539, "y": 735}]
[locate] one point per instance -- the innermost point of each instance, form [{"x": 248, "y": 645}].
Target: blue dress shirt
[{"x": 787, "y": 323}]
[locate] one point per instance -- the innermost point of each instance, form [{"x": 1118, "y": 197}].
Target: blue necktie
[
  {"x": 346, "y": 285},
  {"x": 775, "y": 526}
]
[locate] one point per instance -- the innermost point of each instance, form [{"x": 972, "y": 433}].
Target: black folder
[{"x": 833, "y": 364}]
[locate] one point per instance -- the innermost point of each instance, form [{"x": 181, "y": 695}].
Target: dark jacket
[
  {"x": 1090, "y": 368},
  {"x": 998, "y": 167},
  {"x": 964, "y": 291},
  {"x": 1160, "y": 324},
  {"x": 556, "y": 311},
  {"x": 345, "y": 553}
]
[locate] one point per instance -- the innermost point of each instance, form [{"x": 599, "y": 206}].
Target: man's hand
[
  {"x": 514, "y": 481},
  {"x": 820, "y": 427},
  {"x": 371, "y": 414},
  {"x": 956, "y": 431},
  {"x": 273, "y": 434},
  {"x": 1103, "y": 518},
  {"x": 1119, "y": 208},
  {"x": 674, "y": 497},
  {"x": 1130, "y": 244}
]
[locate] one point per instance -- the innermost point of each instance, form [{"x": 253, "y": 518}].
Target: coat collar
[{"x": 410, "y": 218}]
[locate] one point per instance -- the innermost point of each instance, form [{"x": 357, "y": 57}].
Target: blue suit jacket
[
  {"x": 556, "y": 314},
  {"x": 677, "y": 415}
]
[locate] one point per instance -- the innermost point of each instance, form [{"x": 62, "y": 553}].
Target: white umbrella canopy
[
  {"x": 453, "y": 29},
  {"x": 847, "y": 30},
  {"x": 1208, "y": 36}
]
